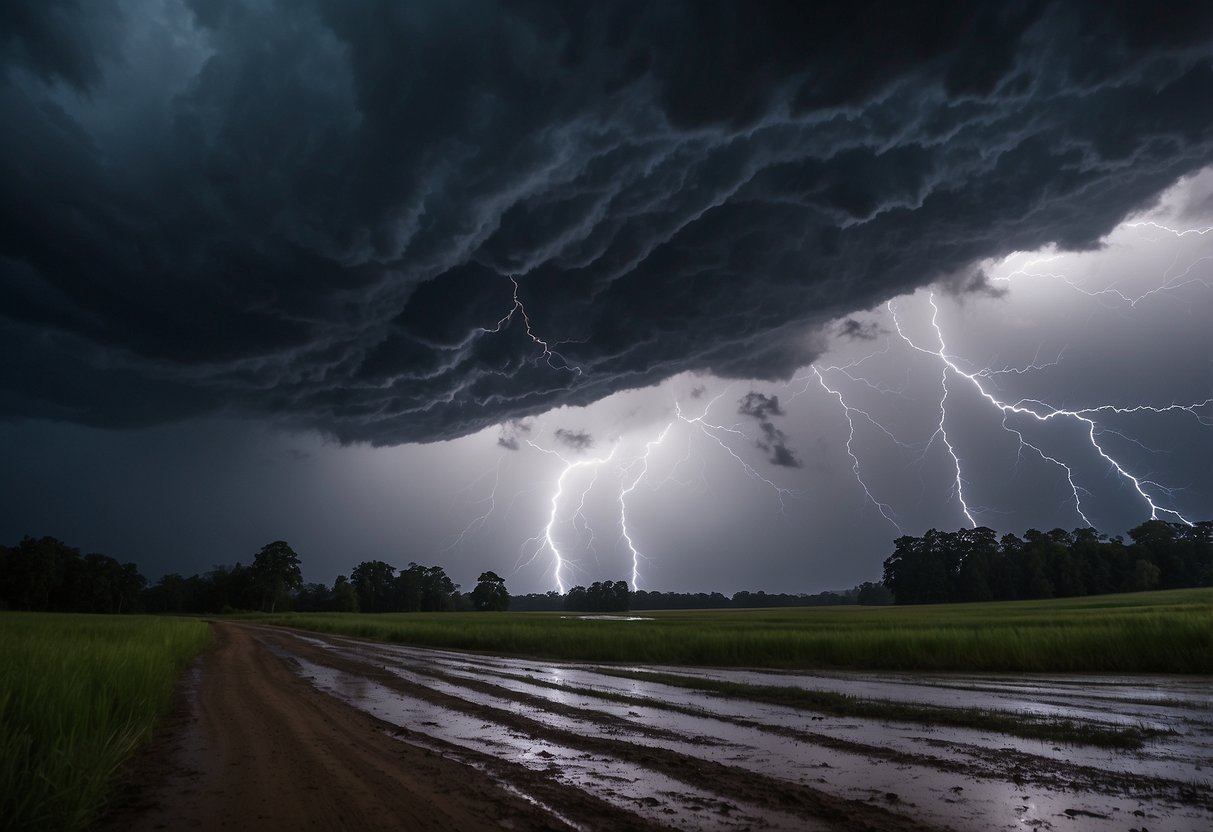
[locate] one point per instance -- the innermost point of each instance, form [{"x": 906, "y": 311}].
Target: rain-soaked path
[{"x": 696, "y": 760}]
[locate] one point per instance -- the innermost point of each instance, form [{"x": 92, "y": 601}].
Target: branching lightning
[
  {"x": 629, "y": 475},
  {"x": 478, "y": 522},
  {"x": 546, "y": 538},
  {"x": 1022, "y": 418},
  {"x": 712, "y": 431},
  {"x": 643, "y": 462},
  {"x": 1169, "y": 282},
  {"x": 549, "y": 355},
  {"x": 1041, "y": 412},
  {"x": 885, "y": 510}
]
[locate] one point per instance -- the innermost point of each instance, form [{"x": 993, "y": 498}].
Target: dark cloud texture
[
  {"x": 578, "y": 440},
  {"x": 858, "y": 330},
  {"x": 510, "y": 432},
  {"x": 310, "y": 211},
  {"x": 772, "y": 440}
]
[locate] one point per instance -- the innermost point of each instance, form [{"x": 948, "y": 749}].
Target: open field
[
  {"x": 1149, "y": 632},
  {"x": 359, "y": 734},
  {"x": 78, "y": 693}
]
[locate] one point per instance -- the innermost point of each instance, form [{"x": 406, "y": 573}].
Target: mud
[{"x": 285, "y": 726}]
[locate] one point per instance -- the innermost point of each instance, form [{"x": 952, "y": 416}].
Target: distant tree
[
  {"x": 410, "y": 588},
  {"x": 275, "y": 572},
  {"x": 345, "y": 597},
  {"x": 598, "y": 597},
  {"x": 621, "y": 597},
  {"x": 426, "y": 589},
  {"x": 313, "y": 597},
  {"x": 577, "y": 600},
  {"x": 490, "y": 593},
  {"x": 873, "y": 594},
  {"x": 47, "y": 574},
  {"x": 438, "y": 592},
  {"x": 372, "y": 580},
  {"x": 1143, "y": 578},
  {"x": 167, "y": 595}
]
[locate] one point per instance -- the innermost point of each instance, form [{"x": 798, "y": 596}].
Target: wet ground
[{"x": 686, "y": 759}]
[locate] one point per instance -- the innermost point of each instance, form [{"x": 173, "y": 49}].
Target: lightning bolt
[
  {"x": 548, "y": 354},
  {"x": 478, "y": 522},
  {"x": 885, "y": 510},
  {"x": 1200, "y": 231},
  {"x": 712, "y": 431},
  {"x": 631, "y": 475},
  {"x": 579, "y": 514},
  {"x": 1170, "y": 282},
  {"x": 623, "y": 505},
  {"x": 1041, "y": 412},
  {"x": 546, "y": 539},
  {"x": 1023, "y": 418}
]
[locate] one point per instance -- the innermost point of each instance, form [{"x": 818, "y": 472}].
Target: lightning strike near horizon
[
  {"x": 848, "y": 386},
  {"x": 546, "y": 538},
  {"x": 623, "y": 506}
]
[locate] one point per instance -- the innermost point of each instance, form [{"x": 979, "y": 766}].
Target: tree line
[
  {"x": 938, "y": 567},
  {"x": 977, "y": 565},
  {"x": 372, "y": 586},
  {"x": 47, "y": 574}
]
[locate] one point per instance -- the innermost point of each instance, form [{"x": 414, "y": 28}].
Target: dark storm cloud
[
  {"x": 578, "y": 440},
  {"x": 311, "y": 211},
  {"x": 771, "y": 439},
  {"x": 759, "y": 406},
  {"x": 511, "y": 432},
  {"x": 970, "y": 282},
  {"x": 858, "y": 330}
]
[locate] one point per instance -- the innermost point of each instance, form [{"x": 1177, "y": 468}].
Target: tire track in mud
[
  {"x": 1082, "y": 796},
  {"x": 737, "y": 785},
  {"x": 1027, "y": 768},
  {"x": 1021, "y": 767}
]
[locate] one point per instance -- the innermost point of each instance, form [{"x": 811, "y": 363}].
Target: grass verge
[
  {"x": 1150, "y": 632},
  {"x": 78, "y": 693}
]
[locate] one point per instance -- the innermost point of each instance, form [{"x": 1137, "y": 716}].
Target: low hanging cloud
[
  {"x": 327, "y": 224},
  {"x": 511, "y": 433},
  {"x": 577, "y": 440},
  {"x": 858, "y": 330},
  {"x": 771, "y": 439}
]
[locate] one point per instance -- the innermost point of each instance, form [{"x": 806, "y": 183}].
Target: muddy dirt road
[{"x": 290, "y": 730}]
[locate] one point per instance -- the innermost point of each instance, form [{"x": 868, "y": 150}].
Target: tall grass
[
  {"x": 78, "y": 693},
  {"x": 1155, "y": 632}
]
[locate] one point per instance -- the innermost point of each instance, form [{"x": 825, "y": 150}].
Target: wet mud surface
[{"x": 516, "y": 744}]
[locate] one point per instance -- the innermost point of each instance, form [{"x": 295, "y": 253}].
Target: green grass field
[
  {"x": 1149, "y": 632},
  {"x": 78, "y": 693}
]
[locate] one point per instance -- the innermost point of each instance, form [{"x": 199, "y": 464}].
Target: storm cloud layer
[{"x": 405, "y": 222}]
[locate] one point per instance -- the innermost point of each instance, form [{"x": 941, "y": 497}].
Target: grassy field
[
  {"x": 1150, "y": 632},
  {"x": 78, "y": 693}
]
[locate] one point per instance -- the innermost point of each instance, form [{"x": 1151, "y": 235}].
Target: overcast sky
[{"x": 582, "y": 292}]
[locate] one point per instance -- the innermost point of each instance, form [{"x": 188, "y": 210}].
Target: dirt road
[
  {"x": 255, "y": 747},
  {"x": 296, "y": 731}
]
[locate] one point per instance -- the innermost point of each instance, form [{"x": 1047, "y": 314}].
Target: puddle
[
  {"x": 640, "y": 790},
  {"x": 954, "y": 777}
]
